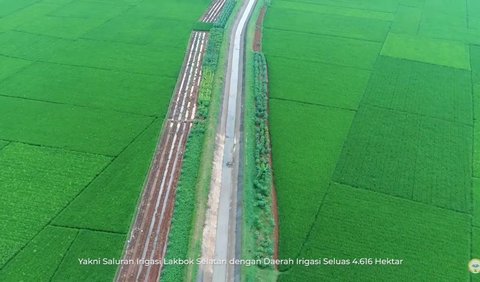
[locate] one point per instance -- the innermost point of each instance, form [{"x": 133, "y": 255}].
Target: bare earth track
[{"x": 149, "y": 235}]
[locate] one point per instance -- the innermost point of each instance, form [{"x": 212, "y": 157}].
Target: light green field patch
[
  {"x": 71, "y": 127},
  {"x": 425, "y": 89},
  {"x": 476, "y": 202},
  {"x": 475, "y": 244},
  {"x": 434, "y": 51},
  {"x": 476, "y": 101},
  {"x": 355, "y": 223},
  {"x": 334, "y": 25},
  {"x": 116, "y": 190},
  {"x": 36, "y": 183},
  {"x": 313, "y": 82},
  {"x": 135, "y": 31},
  {"x": 177, "y": 10},
  {"x": 322, "y": 131},
  {"x": 9, "y": 66},
  {"x": 333, "y": 10},
  {"x": 8, "y": 7},
  {"x": 407, "y": 20},
  {"x": 410, "y": 156},
  {"x": 90, "y": 10},
  {"x": 136, "y": 93},
  {"x": 40, "y": 258},
  {"x": 319, "y": 48},
  {"x": 91, "y": 244},
  {"x": 386, "y": 6},
  {"x": 70, "y": 27}
]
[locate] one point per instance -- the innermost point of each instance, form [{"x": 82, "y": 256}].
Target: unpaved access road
[
  {"x": 149, "y": 235},
  {"x": 225, "y": 217}
]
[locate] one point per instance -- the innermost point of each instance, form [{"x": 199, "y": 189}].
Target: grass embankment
[{"x": 194, "y": 184}]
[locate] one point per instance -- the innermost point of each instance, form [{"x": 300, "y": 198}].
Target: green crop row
[
  {"x": 225, "y": 14},
  {"x": 263, "y": 223}
]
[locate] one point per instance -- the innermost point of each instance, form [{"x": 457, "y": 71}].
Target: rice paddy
[
  {"x": 84, "y": 88},
  {"x": 374, "y": 126}
]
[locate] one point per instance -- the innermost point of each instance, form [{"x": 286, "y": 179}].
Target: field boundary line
[
  {"x": 89, "y": 67},
  {"x": 363, "y": 104},
  {"x": 325, "y": 34},
  {"x": 64, "y": 256},
  {"x": 76, "y": 105},
  {"x": 312, "y": 104},
  {"x": 56, "y": 148},
  {"x": 73, "y": 199},
  {"x": 318, "y": 62},
  {"x": 88, "y": 229},
  {"x": 400, "y": 198}
]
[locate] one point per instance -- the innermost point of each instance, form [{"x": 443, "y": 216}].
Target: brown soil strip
[
  {"x": 257, "y": 42},
  {"x": 276, "y": 232},
  {"x": 213, "y": 12},
  {"x": 149, "y": 234}
]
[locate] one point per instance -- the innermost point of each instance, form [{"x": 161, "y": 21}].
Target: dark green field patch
[
  {"x": 355, "y": 223},
  {"x": 76, "y": 128},
  {"x": 94, "y": 245},
  {"x": 121, "y": 56},
  {"x": 70, "y": 28},
  {"x": 425, "y": 89},
  {"x": 177, "y": 10},
  {"x": 476, "y": 202},
  {"x": 318, "y": 48},
  {"x": 107, "y": 203},
  {"x": 3, "y": 144},
  {"x": 312, "y": 82},
  {"x": 137, "y": 93},
  {"x": 40, "y": 258},
  {"x": 28, "y": 46},
  {"x": 335, "y": 25},
  {"x": 407, "y": 20},
  {"x": 303, "y": 171},
  {"x": 28, "y": 14},
  {"x": 90, "y": 10},
  {"x": 409, "y": 156},
  {"x": 36, "y": 183}
]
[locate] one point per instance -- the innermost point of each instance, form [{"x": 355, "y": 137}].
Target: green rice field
[
  {"x": 84, "y": 88},
  {"x": 374, "y": 116}
]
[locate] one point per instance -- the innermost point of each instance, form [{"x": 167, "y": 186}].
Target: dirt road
[{"x": 226, "y": 217}]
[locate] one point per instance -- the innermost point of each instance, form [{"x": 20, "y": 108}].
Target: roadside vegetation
[{"x": 258, "y": 223}]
